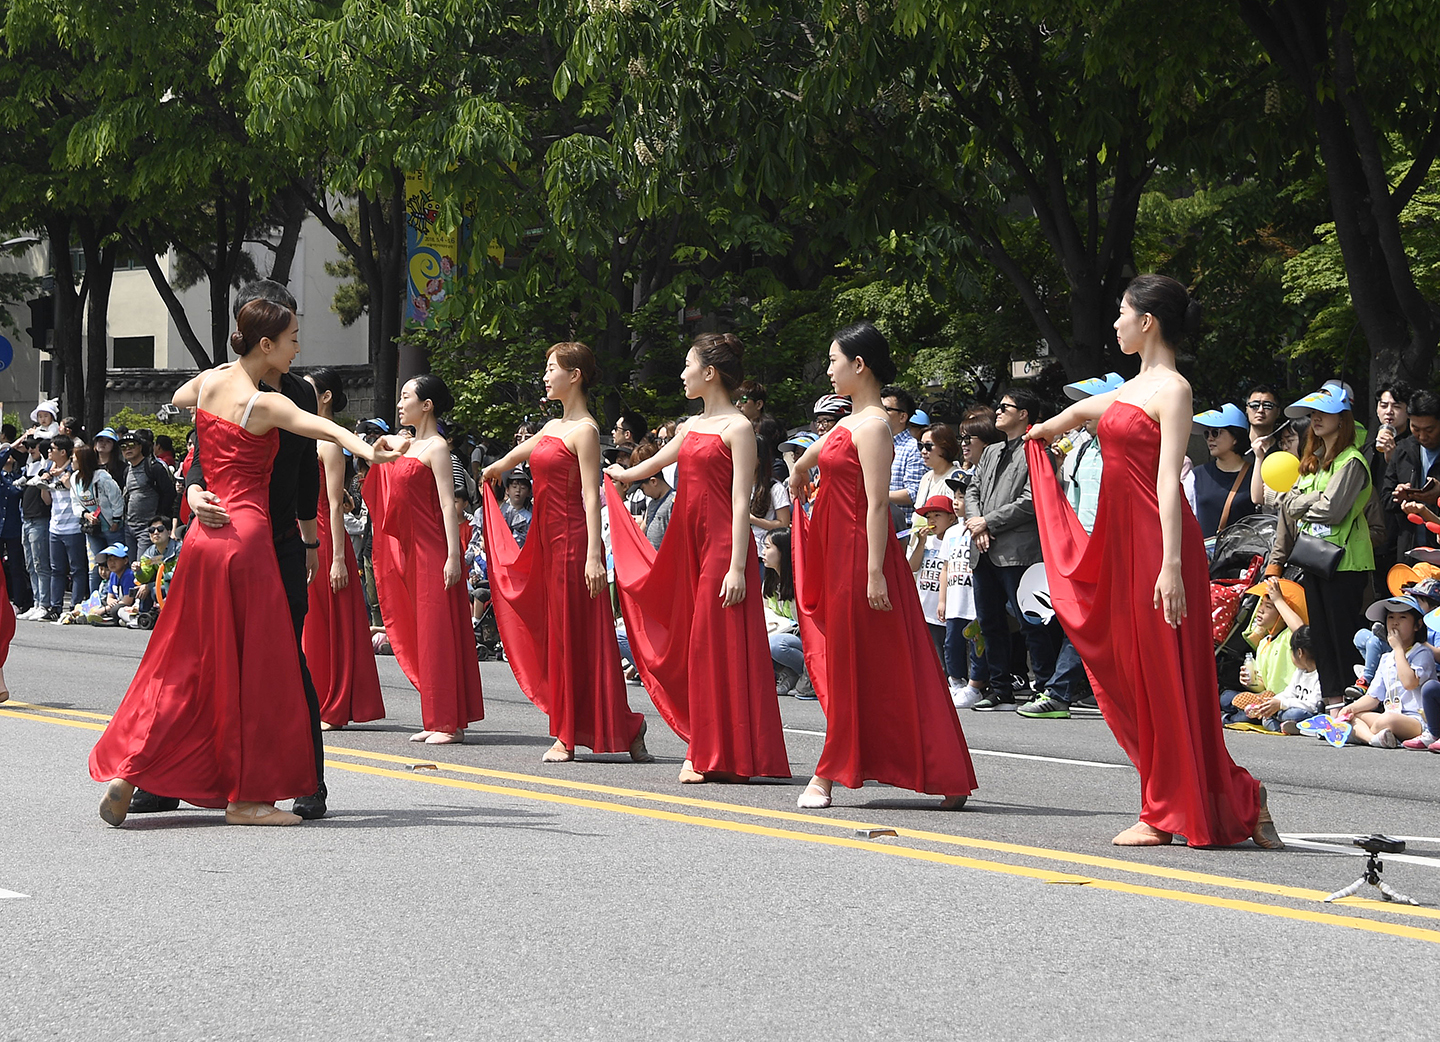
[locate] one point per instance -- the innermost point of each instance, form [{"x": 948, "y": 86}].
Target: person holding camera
[
  {"x": 101, "y": 507},
  {"x": 149, "y": 488},
  {"x": 67, "y": 542}
]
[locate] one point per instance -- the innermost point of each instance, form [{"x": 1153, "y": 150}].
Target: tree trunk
[
  {"x": 396, "y": 365},
  {"x": 99, "y": 276},
  {"x": 293, "y": 210},
  {"x": 143, "y": 242}
]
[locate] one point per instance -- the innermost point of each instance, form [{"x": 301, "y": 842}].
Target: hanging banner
[{"x": 430, "y": 254}]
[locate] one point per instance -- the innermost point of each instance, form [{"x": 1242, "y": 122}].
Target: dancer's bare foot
[
  {"x": 1142, "y": 835},
  {"x": 558, "y": 753},
  {"x": 4, "y": 688},
  {"x": 638, "y": 752},
  {"x": 816, "y": 795},
  {"x": 259, "y": 814},
  {"x": 331, "y": 727},
  {"x": 689, "y": 775},
  {"x": 1266, "y": 836},
  {"x": 953, "y": 802},
  {"x": 116, "y": 802},
  {"x": 446, "y": 737}
]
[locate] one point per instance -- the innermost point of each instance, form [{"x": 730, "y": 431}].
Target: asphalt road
[{"x": 495, "y": 898}]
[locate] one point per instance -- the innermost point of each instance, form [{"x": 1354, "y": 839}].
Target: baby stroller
[
  {"x": 487, "y": 632},
  {"x": 1238, "y": 563}
]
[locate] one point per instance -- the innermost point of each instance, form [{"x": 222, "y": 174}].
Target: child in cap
[
  {"x": 1390, "y": 712},
  {"x": 1281, "y": 612},
  {"x": 926, "y": 561},
  {"x": 1301, "y": 698},
  {"x": 118, "y": 590},
  {"x": 1372, "y": 644}
]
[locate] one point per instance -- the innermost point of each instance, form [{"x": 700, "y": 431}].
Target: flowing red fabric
[
  {"x": 706, "y": 667},
  {"x": 7, "y": 620},
  {"x": 558, "y": 639},
  {"x": 1156, "y": 685},
  {"x": 337, "y": 635},
  {"x": 887, "y": 705},
  {"x": 216, "y": 712},
  {"x": 428, "y": 626}
]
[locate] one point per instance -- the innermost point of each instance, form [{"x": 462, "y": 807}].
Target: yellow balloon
[{"x": 1280, "y": 471}]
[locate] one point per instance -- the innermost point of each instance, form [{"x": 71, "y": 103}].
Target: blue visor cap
[
  {"x": 1329, "y": 399},
  {"x": 921, "y": 418},
  {"x": 1082, "y": 389},
  {"x": 800, "y": 441},
  {"x": 1376, "y": 611},
  {"x": 1228, "y": 415}
]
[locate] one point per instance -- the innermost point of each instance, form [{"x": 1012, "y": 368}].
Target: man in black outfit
[{"x": 294, "y": 498}]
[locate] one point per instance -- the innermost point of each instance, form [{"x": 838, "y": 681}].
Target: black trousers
[
  {"x": 1337, "y": 609},
  {"x": 17, "y": 579},
  {"x": 290, "y": 552}
]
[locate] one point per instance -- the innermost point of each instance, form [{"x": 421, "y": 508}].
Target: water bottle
[{"x": 1255, "y": 683}]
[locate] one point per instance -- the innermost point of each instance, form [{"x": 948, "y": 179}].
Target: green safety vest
[{"x": 1352, "y": 533}]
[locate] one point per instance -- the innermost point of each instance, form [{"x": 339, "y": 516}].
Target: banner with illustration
[{"x": 430, "y": 254}]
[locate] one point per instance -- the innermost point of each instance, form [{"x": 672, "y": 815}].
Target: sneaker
[
  {"x": 991, "y": 704},
  {"x": 35, "y": 613},
  {"x": 967, "y": 697},
  {"x": 803, "y": 688},
  {"x": 1354, "y": 691},
  {"x": 785, "y": 680},
  {"x": 1425, "y": 740},
  {"x": 1085, "y": 707},
  {"x": 1044, "y": 707},
  {"x": 808, "y": 695},
  {"x": 51, "y": 615},
  {"x": 1384, "y": 739},
  {"x": 1289, "y": 727}
]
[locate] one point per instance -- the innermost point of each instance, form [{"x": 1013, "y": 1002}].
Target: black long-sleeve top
[{"x": 295, "y": 475}]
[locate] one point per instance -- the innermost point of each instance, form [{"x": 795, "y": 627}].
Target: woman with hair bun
[
  {"x": 868, "y": 649},
  {"x": 419, "y": 567},
  {"x": 694, "y": 609},
  {"x": 556, "y": 625},
  {"x": 217, "y": 714},
  {"x": 1134, "y": 594},
  {"x": 337, "y": 642}
]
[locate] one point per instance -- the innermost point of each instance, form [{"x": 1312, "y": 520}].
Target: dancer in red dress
[
  {"x": 868, "y": 651},
  {"x": 337, "y": 630},
  {"x": 420, "y": 568},
  {"x": 554, "y": 619},
  {"x": 216, "y": 714},
  {"x": 7, "y": 633},
  {"x": 694, "y": 611},
  {"x": 1134, "y": 596}
]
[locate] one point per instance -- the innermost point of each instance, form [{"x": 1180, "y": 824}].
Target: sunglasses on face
[
  {"x": 1211, "y": 434},
  {"x": 157, "y": 530},
  {"x": 742, "y": 399},
  {"x": 1004, "y": 406},
  {"x": 926, "y": 446},
  {"x": 1260, "y": 406},
  {"x": 891, "y": 408}
]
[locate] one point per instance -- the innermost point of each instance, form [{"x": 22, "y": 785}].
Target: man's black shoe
[
  {"x": 148, "y": 803},
  {"x": 311, "y": 807}
]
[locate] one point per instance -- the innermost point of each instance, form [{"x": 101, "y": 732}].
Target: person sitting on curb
[
  {"x": 1301, "y": 698},
  {"x": 1390, "y": 712}
]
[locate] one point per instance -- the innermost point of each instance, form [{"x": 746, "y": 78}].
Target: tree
[{"x": 1367, "y": 78}]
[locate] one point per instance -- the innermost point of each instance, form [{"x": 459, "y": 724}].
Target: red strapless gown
[
  {"x": 707, "y": 667},
  {"x": 7, "y": 619},
  {"x": 216, "y": 712},
  {"x": 1155, "y": 685},
  {"x": 428, "y": 626},
  {"x": 558, "y": 639},
  {"x": 337, "y": 635},
  {"x": 887, "y": 704}
]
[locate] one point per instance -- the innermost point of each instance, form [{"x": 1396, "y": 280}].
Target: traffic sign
[{"x": 7, "y": 354}]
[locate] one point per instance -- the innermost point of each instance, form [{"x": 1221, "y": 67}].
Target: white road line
[
  {"x": 1010, "y": 756},
  {"x": 10, "y": 893},
  {"x": 1309, "y": 843}
]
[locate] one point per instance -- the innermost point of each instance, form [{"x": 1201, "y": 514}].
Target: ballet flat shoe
[
  {"x": 446, "y": 738},
  {"x": 560, "y": 755},
  {"x": 260, "y": 814},
  {"x": 954, "y": 802},
  {"x": 1142, "y": 835},
  {"x": 115, "y": 804},
  {"x": 638, "y": 752},
  {"x": 813, "y": 798},
  {"x": 1266, "y": 836},
  {"x": 421, "y": 736}
]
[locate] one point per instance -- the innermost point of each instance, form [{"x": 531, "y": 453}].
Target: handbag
[
  {"x": 90, "y": 523},
  {"x": 1316, "y": 556}
]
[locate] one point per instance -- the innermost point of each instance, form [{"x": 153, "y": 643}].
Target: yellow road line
[
  {"x": 995, "y": 846},
  {"x": 12, "y": 704},
  {"x": 912, "y": 853},
  {"x": 1066, "y": 857},
  {"x": 50, "y": 719}
]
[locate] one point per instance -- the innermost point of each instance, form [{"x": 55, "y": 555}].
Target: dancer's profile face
[
  {"x": 692, "y": 377},
  {"x": 409, "y": 409},
  {"x": 844, "y": 372},
  {"x": 558, "y": 378},
  {"x": 1132, "y": 327},
  {"x": 282, "y": 350}
]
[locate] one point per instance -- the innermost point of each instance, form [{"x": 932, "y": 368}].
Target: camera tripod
[{"x": 1374, "y": 847}]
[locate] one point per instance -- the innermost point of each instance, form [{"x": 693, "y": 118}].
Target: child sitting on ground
[
  {"x": 118, "y": 590},
  {"x": 1282, "y": 610},
  {"x": 1371, "y": 641},
  {"x": 1390, "y": 712},
  {"x": 1301, "y": 698}
]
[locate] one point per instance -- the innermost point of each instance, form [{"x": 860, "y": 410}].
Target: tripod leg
[
  {"x": 1392, "y": 894},
  {"x": 1349, "y": 891}
]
